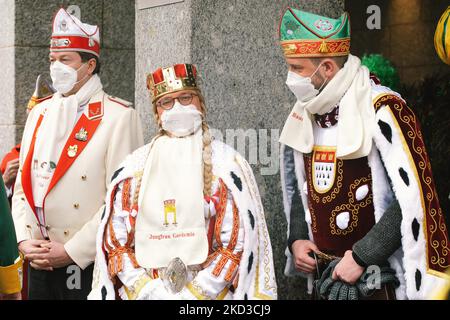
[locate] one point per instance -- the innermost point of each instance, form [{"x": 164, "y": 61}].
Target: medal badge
[
  {"x": 82, "y": 135},
  {"x": 63, "y": 26},
  {"x": 72, "y": 151},
  {"x": 175, "y": 275}
]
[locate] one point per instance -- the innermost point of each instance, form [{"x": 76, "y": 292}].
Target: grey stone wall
[
  {"x": 235, "y": 46},
  {"x": 7, "y": 123},
  {"x": 163, "y": 37},
  {"x": 25, "y": 47}
]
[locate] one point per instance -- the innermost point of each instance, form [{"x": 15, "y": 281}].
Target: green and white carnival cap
[{"x": 303, "y": 34}]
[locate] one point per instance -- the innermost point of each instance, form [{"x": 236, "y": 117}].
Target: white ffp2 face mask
[
  {"x": 181, "y": 121},
  {"x": 64, "y": 77},
  {"x": 302, "y": 87}
]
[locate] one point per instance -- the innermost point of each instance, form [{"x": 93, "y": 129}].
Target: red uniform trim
[
  {"x": 65, "y": 162},
  {"x": 26, "y": 170},
  {"x": 95, "y": 110},
  {"x": 118, "y": 102},
  {"x": 65, "y": 43},
  {"x": 212, "y": 222},
  {"x": 12, "y": 155},
  {"x": 226, "y": 254}
]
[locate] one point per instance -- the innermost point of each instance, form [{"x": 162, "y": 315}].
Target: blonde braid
[
  {"x": 207, "y": 151},
  {"x": 207, "y": 160},
  {"x": 137, "y": 190}
]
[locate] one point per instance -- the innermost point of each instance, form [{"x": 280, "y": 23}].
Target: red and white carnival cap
[{"x": 70, "y": 34}]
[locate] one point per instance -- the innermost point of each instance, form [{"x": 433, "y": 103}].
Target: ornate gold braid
[
  {"x": 351, "y": 206},
  {"x": 408, "y": 118}
]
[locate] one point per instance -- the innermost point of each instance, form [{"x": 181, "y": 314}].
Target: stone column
[
  {"x": 7, "y": 123},
  {"x": 24, "y": 48},
  {"x": 235, "y": 46}
]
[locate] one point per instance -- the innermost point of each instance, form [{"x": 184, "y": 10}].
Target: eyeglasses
[{"x": 168, "y": 103}]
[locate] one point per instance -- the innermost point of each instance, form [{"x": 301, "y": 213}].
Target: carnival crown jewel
[
  {"x": 303, "y": 34},
  {"x": 172, "y": 79}
]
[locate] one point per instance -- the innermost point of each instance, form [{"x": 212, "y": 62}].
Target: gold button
[
  {"x": 76, "y": 206},
  {"x": 66, "y": 233},
  {"x": 28, "y": 226},
  {"x": 84, "y": 178}
]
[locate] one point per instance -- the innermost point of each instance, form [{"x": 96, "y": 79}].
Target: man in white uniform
[{"x": 70, "y": 147}]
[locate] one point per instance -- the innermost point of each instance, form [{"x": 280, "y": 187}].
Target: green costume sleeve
[
  {"x": 10, "y": 261},
  {"x": 382, "y": 241},
  {"x": 298, "y": 229}
]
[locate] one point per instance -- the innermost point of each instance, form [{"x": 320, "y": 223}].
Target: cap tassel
[
  {"x": 44, "y": 91},
  {"x": 324, "y": 47},
  {"x": 32, "y": 103}
]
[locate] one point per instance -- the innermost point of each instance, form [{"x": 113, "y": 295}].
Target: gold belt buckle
[
  {"x": 175, "y": 275},
  {"x": 326, "y": 257}
]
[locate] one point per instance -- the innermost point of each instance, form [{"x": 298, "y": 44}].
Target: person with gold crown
[
  {"x": 363, "y": 214},
  {"x": 10, "y": 163},
  {"x": 71, "y": 145},
  {"x": 184, "y": 218}
]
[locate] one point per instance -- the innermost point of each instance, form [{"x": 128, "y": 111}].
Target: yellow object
[
  {"x": 133, "y": 292},
  {"x": 170, "y": 208},
  {"x": 323, "y": 47},
  {"x": 442, "y": 37},
  {"x": 443, "y": 292},
  {"x": 11, "y": 278},
  {"x": 200, "y": 294},
  {"x": 43, "y": 91}
]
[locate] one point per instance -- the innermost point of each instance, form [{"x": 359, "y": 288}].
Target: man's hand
[
  {"x": 10, "y": 174},
  {"x": 303, "y": 262},
  {"x": 347, "y": 270},
  {"x": 34, "y": 252},
  {"x": 57, "y": 256}
]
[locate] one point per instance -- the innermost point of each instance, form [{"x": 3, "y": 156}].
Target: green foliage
[{"x": 383, "y": 69}]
